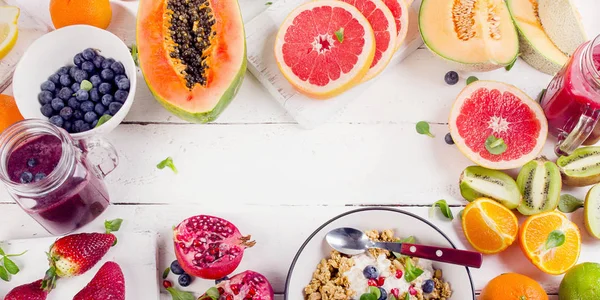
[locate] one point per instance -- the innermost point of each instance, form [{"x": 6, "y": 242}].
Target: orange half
[{"x": 489, "y": 226}]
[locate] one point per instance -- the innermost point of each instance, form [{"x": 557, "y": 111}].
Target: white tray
[{"x": 309, "y": 113}]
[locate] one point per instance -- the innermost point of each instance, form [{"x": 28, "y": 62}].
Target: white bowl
[
  {"x": 57, "y": 49},
  {"x": 403, "y": 223}
]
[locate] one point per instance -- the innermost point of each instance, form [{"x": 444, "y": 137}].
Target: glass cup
[{"x": 54, "y": 178}]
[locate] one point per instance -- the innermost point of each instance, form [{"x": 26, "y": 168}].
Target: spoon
[{"x": 352, "y": 241}]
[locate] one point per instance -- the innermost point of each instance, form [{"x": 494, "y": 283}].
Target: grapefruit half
[
  {"x": 399, "y": 9},
  {"x": 324, "y": 48},
  {"x": 486, "y": 108},
  {"x": 383, "y": 23}
]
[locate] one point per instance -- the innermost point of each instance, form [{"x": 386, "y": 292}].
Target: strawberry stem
[{"x": 49, "y": 282}]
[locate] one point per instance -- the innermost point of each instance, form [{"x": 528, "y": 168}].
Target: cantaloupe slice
[
  {"x": 562, "y": 24},
  {"x": 537, "y": 49},
  {"x": 477, "y": 34}
]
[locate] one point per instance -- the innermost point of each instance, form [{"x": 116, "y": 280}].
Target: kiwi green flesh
[
  {"x": 540, "y": 183},
  {"x": 592, "y": 211},
  {"x": 582, "y": 163},
  {"x": 477, "y": 182}
]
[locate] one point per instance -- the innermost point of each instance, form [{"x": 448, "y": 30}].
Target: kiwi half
[
  {"x": 540, "y": 185},
  {"x": 581, "y": 168},
  {"x": 591, "y": 210},
  {"x": 477, "y": 182}
]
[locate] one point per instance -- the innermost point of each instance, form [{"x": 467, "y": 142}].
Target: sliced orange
[
  {"x": 489, "y": 226},
  {"x": 535, "y": 234}
]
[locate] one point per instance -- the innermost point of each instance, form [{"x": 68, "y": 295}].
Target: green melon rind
[{"x": 561, "y": 21}]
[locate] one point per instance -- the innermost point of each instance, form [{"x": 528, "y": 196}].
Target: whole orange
[
  {"x": 9, "y": 113},
  {"x": 87, "y": 12},
  {"x": 513, "y": 286}
]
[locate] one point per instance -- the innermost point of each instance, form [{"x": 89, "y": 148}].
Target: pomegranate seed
[
  {"x": 229, "y": 297},
  {"x": 411, "y": 290},
  {"x": 399, "y": 274},
  {"x": 167, "y": 284},
  {"x": 221, "y": 291},
  {"x": 372, "y": 282},
  {"x": 252, "y": 291},
  {"x": 395, "y": 292},
  {"x": 380, "y": 281},
  {"x": 235, "y": 288}
]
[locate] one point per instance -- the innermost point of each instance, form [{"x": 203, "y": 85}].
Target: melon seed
[{"x": 463, "y": 17}]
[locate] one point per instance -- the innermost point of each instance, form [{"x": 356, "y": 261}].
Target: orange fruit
[
  {"x": 9, "y": 113},
  {"x": 513, "y": 286},
  {"x": 489, "y": 226},
  {"x": 72, "y": 12},
  {"x": 551, "y": 242}
]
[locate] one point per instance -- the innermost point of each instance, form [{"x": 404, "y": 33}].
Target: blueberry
[
  {"x": 73, "y": 103},
  {"x": 57, "y": 120},
  {"x": 371, "y": 272},
  {"x": 184, "y": 280},
  {"x": 100, "y": 109},
  {"x": 45, "y": 97},
  {"x": 448, "y": 139},
  {"x": 48, "y": 86},
  {"x": 117, "y": 67},
  {"x": 63, "y": 71},
  {"x": 98, "y": 61},
  {"x": 451, "y": 78},
  {"x": 107, "y": 99},
  {"x": 114, "y": 108},
  {"x": 95, "y": 80},
  {"x": 26, "y": 177},
  {"x": 75, "y": 86},
  {"x": 39, "y": 176},
  {"x": 77, "y": 115},
  {"x": 82, "y": 95},
  {"x": 107, "y": 63},
  {"x": 77, "y": 125},
  {"x": 105, "y": 88},
  {"x": 89, "y": 117},
  {"x": 88, "y": 54},
  {"x": 85, "y": 127},
  {"x": 80, "y": 75},
  {"x": 66, "y": 113},
  {"x": 78, "y": 59},
  {"x": 72, "y": 70},
  {"x": 121, "y": 96},
  {"x": 123, "y": 84},
  {"x": 88, "y": 66},
  {"x": 176, "y": 268},
  {"x": 57, "y": 104},
  {"x": 94, "y": 95},
  {"x": 32, "y": 162},
  {"x": 68, "y": 126},
  {"x": 87, "y": 106},
  {"x": 119, "y": 77},
  {"x": 221, "y": 280},
  {"x": 107, "y": 74},
  {"x": 383, "y": 294},
  {"x": 65, "y": 93},
  {"x": 65, "y": 80},
  {"x": 55, "y": 78},
  {"x": 47, "y": 110},
  {"x": 428, "y": 286},
  {"x": 94, "y": 123}
]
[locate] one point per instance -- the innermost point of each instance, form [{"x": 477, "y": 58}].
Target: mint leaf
[
  {"x": 569, "y": 203},
  {"x": 471, "y": 79},
  {"x": 494, "y": 145},
  {"x": 168, "y": 162},
  {"x": 85, "y": 85},
  {"x": 113, "y": 225},
  {"x": 213, "y": 293},
  {"x": 135, "y": 55},
  {"x": 340, "y": 35},
  {"x": 166, "y": 273},
  {"x": 4, "y": 274},
  {"x": 410, "y": 240},
  {"x": 268, "y": 3},
  {"x": 102, "y": 120},
  {"x": 555, "y": 239},
  {"x": 411, "y": 272},
  {"x": 368, "y": 296},
  {"x": 180, "y": 295},
  {"x": 2, "y": 251},
  {"x": 423, "y": 128},
  {"x": 10, "y": 266},
  {"x": 446, "y": 211},
  {"x": 407, "y": 297},
  {"x": 375, "y": 291}
]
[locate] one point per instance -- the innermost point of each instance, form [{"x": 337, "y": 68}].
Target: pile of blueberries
[
  {"x": 184, "y": 278},
  {"x": 77, "y": 96}
]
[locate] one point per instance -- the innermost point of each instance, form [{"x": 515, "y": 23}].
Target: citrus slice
[
  {"x": 8, "y": 28},
  {"x": 399, "y": 9},
  {"x": 383, "y": 23},
  {"x": 551, "y": 242},
  {"x": 488, "y": 114},
  {"x": 489, "y": 226},
  {"x": 324, "y": 48}
]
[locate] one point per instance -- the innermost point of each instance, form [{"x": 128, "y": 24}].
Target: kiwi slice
[
  {"x": 540, "y": 185},
  {"x": 581, "y": 168},
  {"x": 591, "y": 210},
  {"x": 477, "y": 182}
]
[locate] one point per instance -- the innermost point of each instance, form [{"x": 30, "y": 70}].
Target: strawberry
[
  {"x": 30, "y": 291},
  {"x": 75, "y": 254},
  {"x": 108, "y": 283}
]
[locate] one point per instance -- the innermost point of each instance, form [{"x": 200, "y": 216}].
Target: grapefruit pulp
[
  {"x": 399, "y": 9},
  {"x": 488, "y": 108},
  {"x": 324, "y": 48}
]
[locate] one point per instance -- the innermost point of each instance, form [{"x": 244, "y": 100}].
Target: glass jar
[
  {"x": 52, "y": 177},
  {"x": 572, "y": 100}
]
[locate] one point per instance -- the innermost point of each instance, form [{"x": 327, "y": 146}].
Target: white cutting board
[
  {"x": 135, "y": 252},
  {"x": 309, "y": 113}
]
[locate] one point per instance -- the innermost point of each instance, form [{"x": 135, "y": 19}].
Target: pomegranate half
[{"x": 248, "y": 285}]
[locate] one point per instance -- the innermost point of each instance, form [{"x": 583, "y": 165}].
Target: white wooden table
[{"x": 255, "y": 167}]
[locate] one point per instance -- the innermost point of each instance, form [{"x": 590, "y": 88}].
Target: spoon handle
[{"x": 446, "y": 255}]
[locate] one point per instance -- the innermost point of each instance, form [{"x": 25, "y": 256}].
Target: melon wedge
[
  {"x": 478, "y": 35},
  {"x": 562, "y": 23},
  {"x": 537, "y": 49}
]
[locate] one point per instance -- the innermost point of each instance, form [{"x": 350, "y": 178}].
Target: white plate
[
  {"x": 135, "y": 252},
  {"x": 403, "y": 223}
]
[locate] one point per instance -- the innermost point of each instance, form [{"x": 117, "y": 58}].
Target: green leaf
[
  {"x": 180, "y": 295},
  {"x": 86, "y": 85},
  {"x": 340, "y": 35},
  {"x": 471, "y": 79},
  {"x": 15, "y": 255},
  {"x": 392, "y": 297},
  {"x": 2, "y": 251},
  {"x": 407, "y": 297},
  {"x": 423, "y": 128},
  {"x": 411, "y": 272},
  {"x": 569, "y": 203},
  {"x": 213, "y": 293},
  {"x": 135, "y": 55},
  {"x": 102, "y": 120},
  {"x": 375, "y": 291},
  {"x": 512, "y": 63},
  {"x": 168, "y": 162},
  {"x": 112, "y": 225},
  {"x": 410, "y": 240},
  {"x": 5, "y": 277},
  {"x": 10, "y": 266},
  {"x": 555, "y": 239},
  {"x": 166, "y": 273},
  {"x": 446, "y": 211},
  {"x": 268, "y": 3},
  {"x": 495, "y": 146},
  {"x": 368, "y": 296}
]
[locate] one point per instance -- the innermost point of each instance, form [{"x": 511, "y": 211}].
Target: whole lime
[{"x": 582, "y": 282}]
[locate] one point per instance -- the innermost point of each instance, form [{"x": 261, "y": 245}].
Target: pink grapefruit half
[
  {"x": 384, "y": 26},
  {"x": 399, "y": 9},
  {"x": 485, "y": 108},
  {"x": 314, "y": 59}
]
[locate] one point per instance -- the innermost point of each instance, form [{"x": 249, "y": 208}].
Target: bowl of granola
[{"x": 320, "y": 273}]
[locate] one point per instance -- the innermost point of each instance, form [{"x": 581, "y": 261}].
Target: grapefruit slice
[
  {"x": 488, "y": 108},
  {"x": 384, "y": 26},
  {"x": 324, "y": 48},
  {"x": 399, "y": 9}
]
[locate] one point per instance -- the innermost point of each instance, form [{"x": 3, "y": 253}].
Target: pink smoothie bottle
[
  {"x": 52, "y": 177},
  {"x": 572, "y": 100}
]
